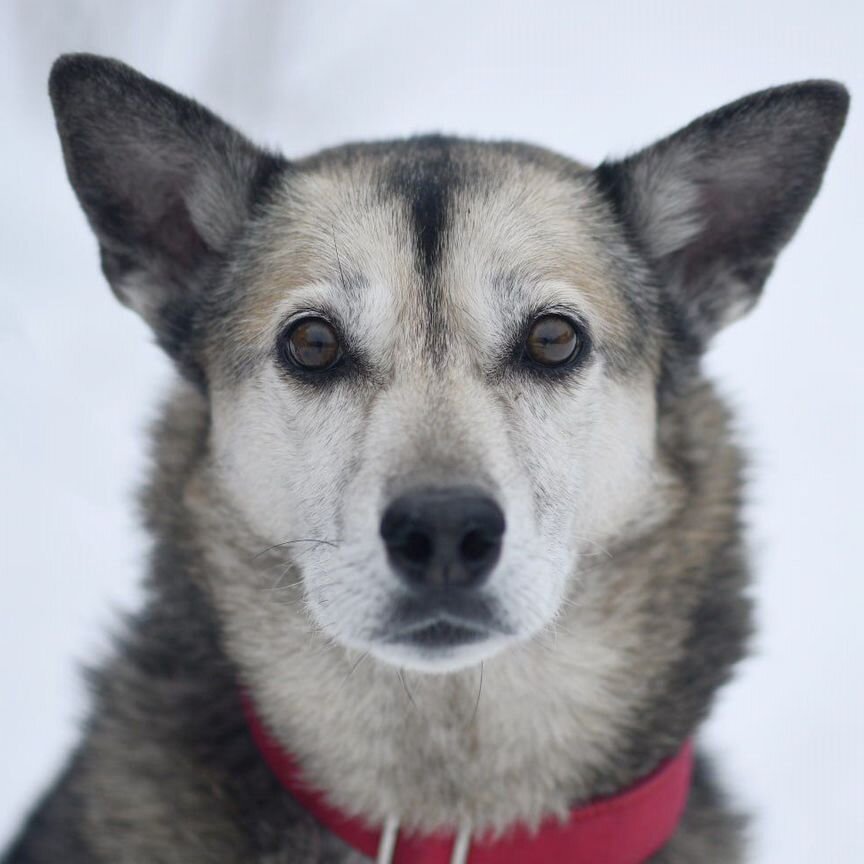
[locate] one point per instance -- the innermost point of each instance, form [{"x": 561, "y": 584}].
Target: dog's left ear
[
  {"x": 166, "y": 185},
  {"x": 712, "y": 205}
]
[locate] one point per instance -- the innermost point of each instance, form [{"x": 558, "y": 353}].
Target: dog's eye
[
  {"x": 554, "y": 340},
  {"x": 311, "y": 344}
]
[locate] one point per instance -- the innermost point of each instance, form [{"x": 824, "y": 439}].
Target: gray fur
[{"x": 410, "y": 244}]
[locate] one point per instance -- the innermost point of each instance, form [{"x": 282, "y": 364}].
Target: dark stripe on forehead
[{"x": 426, "y": 176}]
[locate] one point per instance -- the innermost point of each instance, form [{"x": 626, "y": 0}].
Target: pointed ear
[
  {"x": 712, "y": 205},
  {"x": 165, "y": 184}
]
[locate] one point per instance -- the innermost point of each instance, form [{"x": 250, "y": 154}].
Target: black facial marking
[{"x": 426, "y": 177}]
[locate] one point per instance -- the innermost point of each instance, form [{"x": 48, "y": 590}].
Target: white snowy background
[{"x": 80, "y": 377}]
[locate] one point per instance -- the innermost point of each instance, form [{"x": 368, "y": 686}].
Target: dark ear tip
[
  {"x": 831, "y": 94},
  {"x": 841, "y": 98},
  {"x": 828, "y": 90},
  {"x": 830, "y": 99},
  {"x": 71, "y": 71}
]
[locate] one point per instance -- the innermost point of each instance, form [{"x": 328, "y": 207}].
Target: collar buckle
[{"x": 390, "y": 836}]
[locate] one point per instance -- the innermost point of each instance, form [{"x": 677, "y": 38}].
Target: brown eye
[
  {"x": 553, "y": 340},
  {"x": 312, "y": 344}
]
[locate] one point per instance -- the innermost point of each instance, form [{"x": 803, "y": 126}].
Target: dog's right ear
[{"x": 165, "y": 184}]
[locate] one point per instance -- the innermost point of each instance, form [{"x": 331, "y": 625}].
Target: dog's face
[
  {"x": 435, "y": 367},
  {"x": 444, "y": 384}
]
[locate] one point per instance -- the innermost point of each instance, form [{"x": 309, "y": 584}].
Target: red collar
[{"x": 627, "y": 828}]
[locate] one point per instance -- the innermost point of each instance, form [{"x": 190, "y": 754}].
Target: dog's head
[{"x": 434, "y": 367}]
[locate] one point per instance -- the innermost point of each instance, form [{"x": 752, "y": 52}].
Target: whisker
[
  {"x": 323, "y": 587},
  {"x": 405, "y": 686},
  {"x": 602, "y": 550},
  {"x": 479, "y": 694},
  {"x": 574, "y": 604},
  {"x": 322, "y": 602},
  {"x": 292, "y": 542},
  {"x": 279, "y": 587},
  {"x": 354, "y": 666}
]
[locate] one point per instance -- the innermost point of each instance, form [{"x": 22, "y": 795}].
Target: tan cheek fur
[{"x": 332, "y": 222}]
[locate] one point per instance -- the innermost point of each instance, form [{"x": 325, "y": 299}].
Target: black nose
[{"x": 443, "y": 537}]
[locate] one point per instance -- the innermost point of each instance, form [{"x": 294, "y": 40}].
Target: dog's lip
[
  {"x": 441, "y": 622},
  {"x": 438, "y": 631},
  {"x": 472, "y": 610}
]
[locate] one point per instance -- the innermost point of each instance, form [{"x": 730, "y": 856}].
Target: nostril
[
  {"x": 477, "y": 545},
  {"x": 416, "y": 547}
]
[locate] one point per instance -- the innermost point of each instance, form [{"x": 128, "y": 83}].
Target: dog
[{"x": 445, "y": 514}]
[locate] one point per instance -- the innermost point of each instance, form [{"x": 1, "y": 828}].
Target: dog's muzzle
[{"x": 442, "y": 544}]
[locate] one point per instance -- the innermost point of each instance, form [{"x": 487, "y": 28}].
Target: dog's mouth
[
  {"x": 445, "y": 622},
  {"x": 439, "y": 632},
  {"x": 437, "y": 639}
]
